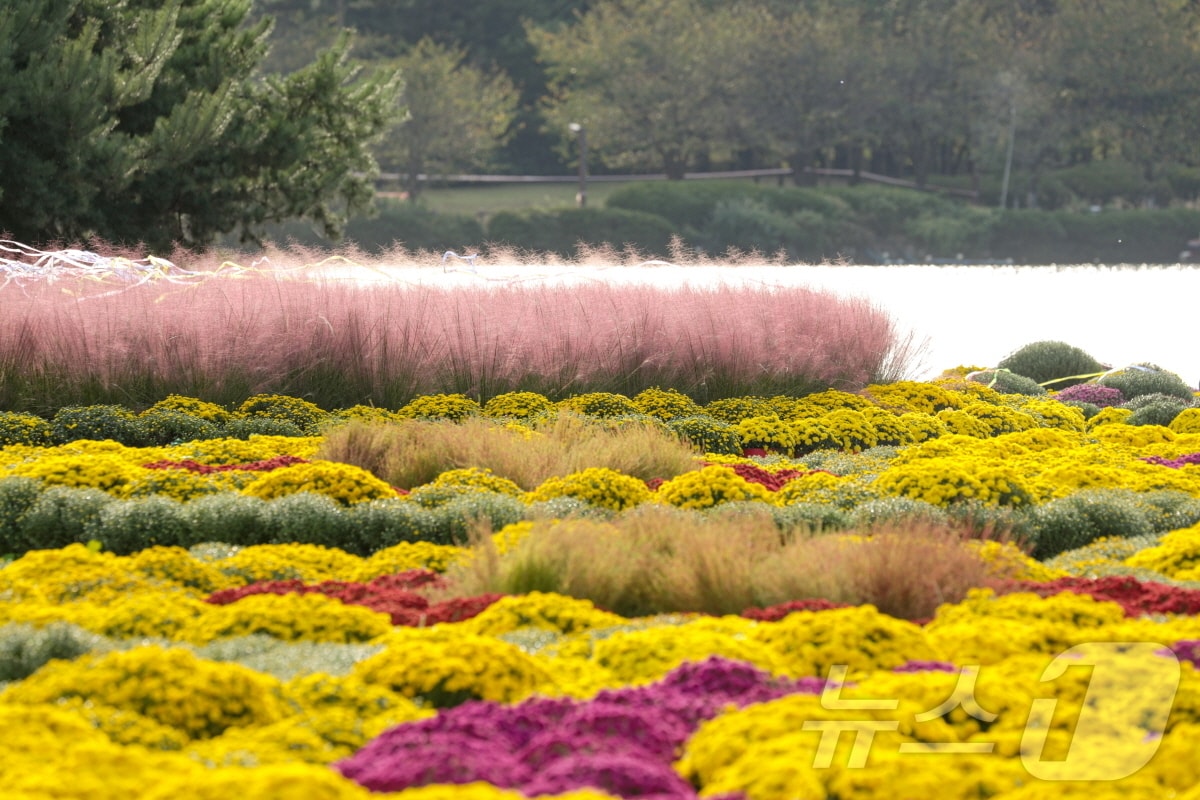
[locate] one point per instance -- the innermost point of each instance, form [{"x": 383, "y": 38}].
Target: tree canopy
[{"x": 140, "y": 121}]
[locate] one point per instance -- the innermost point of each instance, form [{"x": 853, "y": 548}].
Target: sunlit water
[{"x": 972, "y": 316}]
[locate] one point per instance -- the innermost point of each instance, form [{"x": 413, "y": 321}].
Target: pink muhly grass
[{"x": 282, "y": 328}]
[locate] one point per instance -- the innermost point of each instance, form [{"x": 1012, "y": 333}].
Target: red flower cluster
[
  {"x": 393, "y": 595},
  {"x": 772, "y": 480},
  {"x": 777, "y": 612},
  {"x": 251, "y": 466},
  {"x": 1136, "y": 597}
]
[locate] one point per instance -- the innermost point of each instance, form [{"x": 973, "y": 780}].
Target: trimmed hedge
[{"x": 563, "y": 230}]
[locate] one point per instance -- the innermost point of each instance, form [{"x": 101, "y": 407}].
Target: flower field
[{"x": 966, "y": 587}]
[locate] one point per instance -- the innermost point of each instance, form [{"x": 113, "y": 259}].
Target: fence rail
[{"x": 836, "y": 175}]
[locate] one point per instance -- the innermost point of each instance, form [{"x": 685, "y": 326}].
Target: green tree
[
  {"x": 458, "y": 116},
  {"x": 650, "y": 80},
  {"x": 141, "y": 121}
]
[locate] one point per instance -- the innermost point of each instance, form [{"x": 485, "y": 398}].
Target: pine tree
[{"x": 141, "y": 121}]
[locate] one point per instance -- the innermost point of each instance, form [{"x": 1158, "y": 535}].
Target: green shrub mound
[
  {"x": 896, "y": 510},
  {"x": 58, "y": 517},
  {"x": 24, "y": 648},
  {"x": 562, "y": 231},
  {"x": 1081, "y": 518},
  {"x": 99, "y": 422},
  {"x": 1052, "y": 362},
  {"x": 17, "y": 496},
  {"x": 1157, "y": 412},
  {"x": 707, "y": 434},
  {"x": 1007, "y": 382},
  {"x": 803, "y": 518},
  {"x": 127, "y": 526},
  {"x": 1142, "y": 379}
]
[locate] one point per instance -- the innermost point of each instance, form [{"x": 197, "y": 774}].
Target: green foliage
[
  {"x": 139, "y": 123},
  {"x": 28, "y": 429},
  {"x": 1081, "y": 518},
  {"x": 1157, "y": 412},
  {"x": 1170, "y": 510},
  {"x": 165, "y": 426},
  {"x": 17, "y": 495},
  {"x": 453, "y": 520},
  {"x": 708, "y": 434},
  {"x": 1141, "y": 379},
  {"x": 245, "y": 427},
  {"x": 1051, "y": 362},
  {"x": 1007, "y": 382},
  {"x": 227, "y": 517},
  {"x": 303, "y": 414},
  {"x": 127, "y": 526},
  {"x": 896, "y": 510},
  {"x": 455, "y": 407},
  {"x": 458, "y": 115},
  {"x": 1102, "y": 182},
  {"x": 305, "y": 518},
  {"x": 97, "y": 422},
  {"x": 804, "y": 517},
  {"x": 412, "y": 227},
  {"x": 561, "y": 231},
  {"x": 60, "y": 516},
  {"x": 521, "y": 405},
  {"x": 25, "y": 648},
  {"x": 379, "y": 524},
  {"x": 599, "y": 404}
]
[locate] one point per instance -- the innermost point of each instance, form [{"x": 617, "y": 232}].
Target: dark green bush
[
  {"x": 305, "y": 518},
  {"x": 687, "y": 205},
  {"x": 60, "y": 516},
  {"x": 1051, "y": 362},
  {"x": 1008, "y": 382},
  {"x": 24, "y": 648},
  {"x": 562, "y": 231},
  {"x": 17, "y": 495},
  {"x": 29, "y": 429},
  {"x": 803, "y": 518},
  {"x": 1102, "y": 182},
  {"x": 1089, "y": 409},
  {"x": 1080, "y": 518},
  {"x": 378, "y": 524},
  {"x": 708, "y": 434},
  {"x": 895, "y": 510},
  {"x": 403, "y": 224},
  {"x": 1170, "y": 510},
  {"x": 245, "y": 427},
  {"x": 127, "y": 526},
  {"x": 1029, "y": 236},
  {"x": 227, "y": 517},
  {"x": 1142, "y": 379},
  {"x": 453, "y": 519},
  {"x": 114, "y": 422},
  {"x": 984, "y": 520},
  {"x": 1159, "y": 412},
  {"x": 164, "y": 426},
  {"x": 745, "y": 224}
]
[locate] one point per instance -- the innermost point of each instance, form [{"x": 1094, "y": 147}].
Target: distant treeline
[{"x": 863, "y": 224}]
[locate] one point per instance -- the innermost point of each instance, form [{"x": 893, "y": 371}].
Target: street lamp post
[{"x": 581, "y": 132}]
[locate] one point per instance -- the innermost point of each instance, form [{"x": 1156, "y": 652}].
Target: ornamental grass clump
[{"x": 415, "y": 452}]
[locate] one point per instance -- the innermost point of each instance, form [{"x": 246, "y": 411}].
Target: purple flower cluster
[
  {"x": 623, "y": 741},
  {"x": 1186, "y": 650},
  {"x": 1176, "y": 463},
  {"x": 1097, "y": 395}
]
